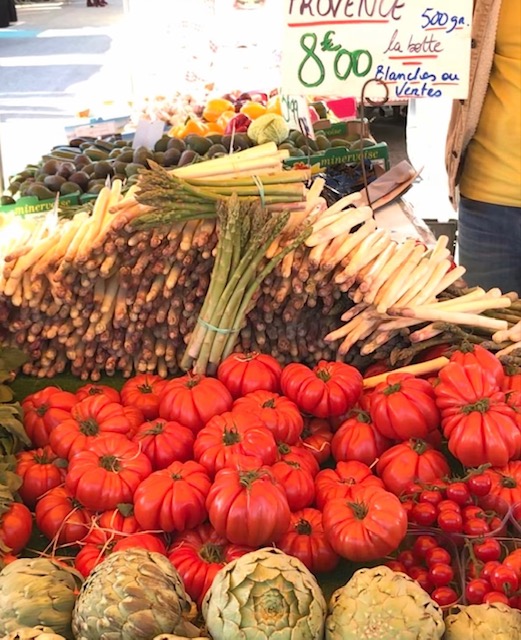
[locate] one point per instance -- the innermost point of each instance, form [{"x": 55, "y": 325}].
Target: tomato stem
[
  {"x": 508, "y": 482},
  {"x": 419, "y": 446},
  {"x": 212, "y": 553},
  {"x": 482, "y": 406},
  {"x": 42, "y": 410},
  {"x": 110, "y": 463},
  {"x": 269, "y": 404},
  {"x": 303, "y": 527},
  {"x": 392, "y": 388},
  {"x": 157, "y": 428},
  {"x": 323, "y": 373},
  {"x": 359, "y": 510},
  {"x": 231, "y": 437},
  {"x": 89, "y": 427},
  {"x": 145, "y": 388}
]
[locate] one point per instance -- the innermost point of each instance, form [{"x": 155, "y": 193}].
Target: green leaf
[
  {"x": 6, "y": 394},
  {"x": 9, "y": 478},
  {"x": 13, "y": 358}
]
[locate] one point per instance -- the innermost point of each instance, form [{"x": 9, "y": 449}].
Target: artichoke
[
  {"x": 31, "y": 633},
  {"x": 132, "y": 595},
  {"x": 381, "y": 604},
  {"x": 483, "y": 622},
  {"x": 265, "y": 594},
  {"x": 37, "y": 591}
]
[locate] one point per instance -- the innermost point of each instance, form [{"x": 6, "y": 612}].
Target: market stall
[{"x": 246, "y": 393}]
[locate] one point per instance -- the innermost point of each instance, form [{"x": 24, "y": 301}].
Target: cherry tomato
[
  {"x": 422, "y": 577},
  {"x": 479, "y": 484},
  {"x": 441, "y": 574},
  {"x": 449, "y": 504},
  {"x": 504, "y": 579},
  {"x": 495, "y": 596},
  {"x": 515, "y": 602},
  {"x": 459, "y": 492},
  {"x": 408, "y": 505},
  {"x": 424, "y": 513},
  {"x": 423, "y": 544},
  {"x": 473, "y": 570},
  {"x": 476, "y": 527},
  {"x": 395, "y": 565},
  {"x": 407, "y": 559},
  {"x": 476, "y": 590},
  {"x": 450, "y": 521},
  {"x": 513, "y": 560},
  {"x": 444, "y": 596},
  {"x": 489, "y": 549},
  {"x": 437, "y": 555},
  {"x": 496, "y": 524},
  {"x": 412, "y": 488},
  {"x": 432, "y": 496},
  {"x": 472, "y": 511},
  {"x": 489, "y": 568}
]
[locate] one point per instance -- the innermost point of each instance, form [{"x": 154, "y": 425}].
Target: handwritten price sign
[{"x": 419, "y": 49}]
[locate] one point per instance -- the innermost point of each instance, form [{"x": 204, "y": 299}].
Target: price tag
[
  {"x": 295, "y": 111},
  {"x": 419, "y": 50},
  {"x": 148, "y": 133}
]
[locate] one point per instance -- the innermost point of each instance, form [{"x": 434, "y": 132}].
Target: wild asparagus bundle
[{"x": 114, "y": 289}]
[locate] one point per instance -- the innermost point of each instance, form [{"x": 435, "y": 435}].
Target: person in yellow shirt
[{"x": 483, "y": 153}]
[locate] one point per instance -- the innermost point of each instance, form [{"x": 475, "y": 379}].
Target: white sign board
[{"x": 418, "y": 49}]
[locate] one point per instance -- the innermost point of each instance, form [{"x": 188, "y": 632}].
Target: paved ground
[
  {"x": 62, "y": 57},
  {"x": 59, "y": 58}
]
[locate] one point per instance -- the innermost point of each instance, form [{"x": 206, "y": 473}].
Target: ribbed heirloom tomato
[
  {"x": 193, "y": 399},
  {"x": 108, "y": 473},
  {"x": 404, "y": 407},
  {"x": 475, "y": 354},
  {"x": 301, "y": 454},
  {"x": 40, "y": 470},
  {"x": 16, "y": 525},
  {"x": 339, "y": 482},
  {"x": 164, "y": 442},
  {"x": 357, "y": 439},
  {"x": 459, "y": 385},
  {"x": 234, "y": 439},
  {"x": 316, "y": 437},
  {"x": 297, "y": 481},
  {"x": 505, "y": 489},
  {"x": 411, "y": 461},
  {"x": 483, "y": 432},
  {"x": 44, "y": 410},
  {"x": 279, "y": 414},
  {"x": 198, "y": 555},
  {"x": 91, "y": 417},
  {"x": 90, "y": 389},
  {"x": 248, "y": 507},
  {"x": 143, "y": 391},
  {"x": 59, "y": 516},
  {"x": 242, "y": 373},
  {"x": 368, "y": 525},
  {"x": 173, "y": 499},
  {"x": 329, "y": 389},
  {"x": 306, "y": 540}
]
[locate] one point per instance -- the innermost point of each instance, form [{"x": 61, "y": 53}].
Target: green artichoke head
[
  {"x": 37, "y": 592},
  {"x": 265, "y": 594},
  {"x": 31, "y": 633},
  {"x": 132, "y": 595},
  {"x": 381, "y": 604},
  {"x": 495, "y": 621}
]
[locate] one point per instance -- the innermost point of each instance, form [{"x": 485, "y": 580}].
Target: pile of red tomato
[{"x": 314, "y": 461}]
